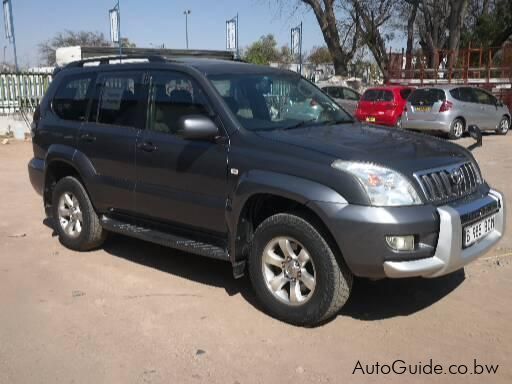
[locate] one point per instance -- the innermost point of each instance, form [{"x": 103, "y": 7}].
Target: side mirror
[
  {"x": 197, "y": 127},
  {"x": 475, "y": 134}
]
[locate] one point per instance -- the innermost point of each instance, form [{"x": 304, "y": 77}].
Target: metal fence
[{"x": 22, "y": 92}]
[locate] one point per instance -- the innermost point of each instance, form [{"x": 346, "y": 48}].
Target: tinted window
[
  {"x": 386, "y": 96},
  {"x": 483, "y": 97},
  {"x": 336, "y": 92},
  {"x": 121, "y": 99},
  {"x": 455, "y": 93},
  {"x": 426, "y": 96},
  {"x": 174, "y": 95},
  {"x": 350, "y": 94},
  {"x": 70, "y": 101},
  {"x": 371, "y": 95},
  {"x": 405, "y": 93},
  {"x": 467, "y": 95}
]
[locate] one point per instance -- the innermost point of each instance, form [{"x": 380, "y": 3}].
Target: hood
[{"x": 400, "y": 150}]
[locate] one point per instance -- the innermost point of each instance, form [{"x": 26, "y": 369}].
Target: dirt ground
[{"x": 134, "y": 312}]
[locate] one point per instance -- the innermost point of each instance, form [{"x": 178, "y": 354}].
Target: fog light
[{"x": 401, "y": 243}]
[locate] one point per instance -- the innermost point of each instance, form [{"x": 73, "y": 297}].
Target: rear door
[
  {"x": 366, "y": 108},
  {"x": 384, "y": 106},
  {"x": 108, "y": 138},
  {"x": 425, "y": 104},
  {"x": 466, "y": 105}
]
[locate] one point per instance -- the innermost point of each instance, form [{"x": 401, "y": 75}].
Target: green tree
[{"x": 262, "y": 51}]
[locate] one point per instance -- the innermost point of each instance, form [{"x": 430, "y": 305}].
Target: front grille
[{"x": 449, "y": 183}]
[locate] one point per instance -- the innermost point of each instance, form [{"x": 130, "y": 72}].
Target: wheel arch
[
  {"x": 260, "y": 194},
  {"x": 62, "y": 161}
]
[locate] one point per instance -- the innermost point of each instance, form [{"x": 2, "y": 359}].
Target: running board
[{"x": 165, "y": 239}]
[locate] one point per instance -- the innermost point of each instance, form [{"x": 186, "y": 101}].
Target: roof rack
[{"x": 119, "y": 59}]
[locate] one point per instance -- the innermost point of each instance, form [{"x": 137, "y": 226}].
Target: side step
[{"x": 165, "y": 239}]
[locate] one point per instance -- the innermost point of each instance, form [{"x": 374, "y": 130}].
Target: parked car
[
  {"x": 451, "y": 109},
  {"x": 186, "y": 153},
  {"x": 383, "y": 105},
  {"x": 344, "y": 96}
]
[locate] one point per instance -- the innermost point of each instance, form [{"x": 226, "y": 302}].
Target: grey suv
[
  {"x": 451, "y": 109},
  {"x": 205, "y": 156}
]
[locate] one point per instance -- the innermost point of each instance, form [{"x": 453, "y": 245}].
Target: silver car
[
  {"x": 344, "y": 96},
  {"x": 451, "y": 109}
]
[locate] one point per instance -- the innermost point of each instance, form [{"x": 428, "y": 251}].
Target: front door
[
  {"x": 108, "y": 138},
  {"x": 180, "y": 181}
]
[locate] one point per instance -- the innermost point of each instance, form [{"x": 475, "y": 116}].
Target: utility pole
[
  {"x": 9, "y": 29},
  {"x": 186, "y": 13}
]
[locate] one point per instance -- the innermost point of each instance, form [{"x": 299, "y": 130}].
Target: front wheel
[
  {"x": 503, "y": 126},
  {"x": 295, "y": 273},
  {"x": 456, "y": 129}
]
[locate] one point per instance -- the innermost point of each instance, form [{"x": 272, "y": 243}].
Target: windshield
[{"x": 277, "y": 101}]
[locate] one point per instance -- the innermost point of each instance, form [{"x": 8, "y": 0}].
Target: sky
[{"x": 156, "y": 22}]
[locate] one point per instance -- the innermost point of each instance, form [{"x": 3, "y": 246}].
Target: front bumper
[{"x": 449, "y": 255}]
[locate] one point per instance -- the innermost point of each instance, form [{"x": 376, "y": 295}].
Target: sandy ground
[{"x": 134, "y": 312}]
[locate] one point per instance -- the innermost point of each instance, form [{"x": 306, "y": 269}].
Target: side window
[
  {"x": 466, "y": 95},
  {"x": 350, "y": 94},
  {"x": 404, "y": 93},
  {"x": 336, "y": 92},
  {"x": 455, "y": 93},
  {"x": 174, "y": 95},
  {"x": 120, "y": 99},
  {"x": 70, "y": 100},
  {"x": 482, "y": 97}
]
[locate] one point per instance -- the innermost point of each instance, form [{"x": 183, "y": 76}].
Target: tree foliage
[
  {"x": 320, "y": 55},
  {"x": 265, "y": 51}
]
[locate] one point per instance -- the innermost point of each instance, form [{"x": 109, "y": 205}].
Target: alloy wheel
[
  {"x": 288, "y": 271},
  {"x": 70, "y": 215}
]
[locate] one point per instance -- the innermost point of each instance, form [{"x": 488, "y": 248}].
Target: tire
[
  {"x": 76, "y": 222},
  {"x": 503, "y": 126},
  {"x": 457, "y": 129},
  {"x": 332, "y": 278},
  {"x": 398, "y": 124}
]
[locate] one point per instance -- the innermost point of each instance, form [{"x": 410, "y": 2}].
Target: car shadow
[
  {"x": 370, "y": 300},
  {"x": 387, "y": 298}
]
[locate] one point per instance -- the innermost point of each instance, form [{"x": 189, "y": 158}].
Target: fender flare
[
  {"x": 266, "y": 182},
  {"x": 72, "y": 157}
]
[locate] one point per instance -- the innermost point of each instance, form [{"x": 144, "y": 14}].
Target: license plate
[
  {"x": 478, "y": 230},
  {"x": 422, "y": 109},
  {"x": 370, "y": 119}
]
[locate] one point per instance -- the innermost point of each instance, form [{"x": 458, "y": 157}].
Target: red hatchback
[{"x": 383, "y": 105}]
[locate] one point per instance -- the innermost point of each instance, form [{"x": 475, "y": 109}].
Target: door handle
[
  {"x": 146, "y": 146},
  {"x": 87, "y": 137}
]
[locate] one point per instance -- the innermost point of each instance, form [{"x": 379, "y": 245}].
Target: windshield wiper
[{"x": 300, "y": 124}]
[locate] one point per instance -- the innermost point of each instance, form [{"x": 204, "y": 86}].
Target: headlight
[{"x": 384, "y": 187}]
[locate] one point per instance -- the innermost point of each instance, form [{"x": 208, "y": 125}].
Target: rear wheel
[
  {"x": 398, "y": 124},
  {"x": 77, "y": 223},
  {"x": 503, "y": 126},
  {"x": 294, "y": 272},
  {"x": 456, "y": 129}
]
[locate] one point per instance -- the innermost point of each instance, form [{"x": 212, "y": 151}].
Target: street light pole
[{"x": 186, "y": 13}]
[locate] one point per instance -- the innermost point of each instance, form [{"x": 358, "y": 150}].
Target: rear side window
[
  {"x": 467, "y": 95},
  {"x": 405, "y": 93},
  {"x": 70, "y": 100},
  {"x": 371, "y": 95},
  {"x": 350, "y": 94},
  {"x": 121, "y": 99},
  {"x": 427, "y": 96}
]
